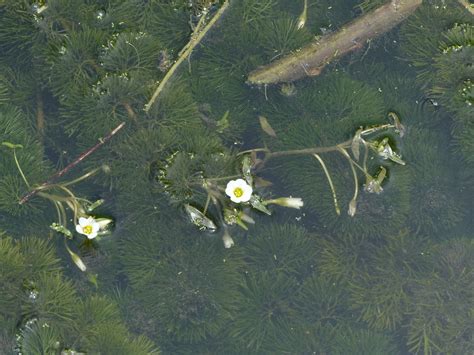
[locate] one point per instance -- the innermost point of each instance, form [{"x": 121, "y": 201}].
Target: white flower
[
  {"x": 292, "y": 202},
  {"x": 88, "y": 226},
  {"x": 227, "y": 239},
  {"x": 238, "y": 190}
]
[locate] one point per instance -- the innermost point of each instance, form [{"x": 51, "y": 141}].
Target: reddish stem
[{"x": 80, "y": 158}]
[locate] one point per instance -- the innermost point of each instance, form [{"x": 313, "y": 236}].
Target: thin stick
[
  {"x": 80, "y": 158},
  {"x": 196, "y": 38},
  {"x": 333, "y": 190}
]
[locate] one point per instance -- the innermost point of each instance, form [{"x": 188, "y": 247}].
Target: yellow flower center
[
  {"x": 87, "y": 229},
  {"x": 238, "y": 192}
]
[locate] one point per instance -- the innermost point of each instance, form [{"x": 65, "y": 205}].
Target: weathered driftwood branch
[
  {"x": 310, "y": 60},
  {"x": 467, "y": 5}
]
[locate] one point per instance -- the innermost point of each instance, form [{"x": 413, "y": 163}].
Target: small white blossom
[
  {"x": 227, "y": 239},
  {"x": 291, "y": 202},
  {"x": 88, "y": 226},
  {"x": 238, "y": 191}
]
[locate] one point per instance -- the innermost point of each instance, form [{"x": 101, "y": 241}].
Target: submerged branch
[
  {"x": 310, "y": 60},
  {"x": 196, "y": 38}
]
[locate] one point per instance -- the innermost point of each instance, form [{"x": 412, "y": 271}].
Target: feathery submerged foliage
[{"x": 393, "y": 276}]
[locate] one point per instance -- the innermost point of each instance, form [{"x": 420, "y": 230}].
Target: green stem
[
  {"x": 83, "y": 177},
  {"x": 311, "y": 151},
  {"x": 333, "y": 190},
  {"x": 19, "y": 169},
  {"x": 354, "y": 173},
  {"x": 207, "y": 204}
]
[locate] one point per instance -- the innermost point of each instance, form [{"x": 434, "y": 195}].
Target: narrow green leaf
[
  {"x": 12, "y": 145},
  {"x": 266, "y": 126}
]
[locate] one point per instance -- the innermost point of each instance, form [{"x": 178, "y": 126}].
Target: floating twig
[
  {"x": 196, "y": 38},
  {"x": 310, "y": 60},
  {"x": 80, "y": 158},
  {"x": 468, "y": 6}
]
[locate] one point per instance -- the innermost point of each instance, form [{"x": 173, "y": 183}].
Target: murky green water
[{"x": 128, "y": 238}]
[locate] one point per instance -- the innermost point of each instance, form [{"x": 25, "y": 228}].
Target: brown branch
[
  {"x": 40, "y": 122},
  {"x": 80, "y": 158},
  {"x": 311, "y": 59}
]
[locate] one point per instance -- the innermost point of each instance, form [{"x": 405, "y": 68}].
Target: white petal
[
  {"x": 92, "y": 235},
  {"x": 234, "y": 198},
  {"x": 247, "y": 193},
  {"x": 95, "y": 227},
  {"x": 79, "y": 229},
  {"x": 83, "y": 221}
]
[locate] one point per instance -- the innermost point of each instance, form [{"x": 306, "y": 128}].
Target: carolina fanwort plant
[
  {"x": 233, "y": 201},
  {"x": 62, "y": 197}
]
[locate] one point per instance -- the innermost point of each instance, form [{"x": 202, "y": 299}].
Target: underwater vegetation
[
  {"x": 37, "y": 298},
  {"x": 444, "y": 64},
  {"x": 432, "y": 201},
  {"x": 135, "y": 224},
  {"x": 305, "y": 177},
  {"x": 429, "y": 330},
  {"x": 263, "y": 303},
  {"x": 187, "y": 288},
  {"x": 286, "y": 249}
]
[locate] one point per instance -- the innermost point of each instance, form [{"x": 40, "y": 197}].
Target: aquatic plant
[
  {"x": 282, "y": 36},
  {"x": 366, "y": 210},
  {"x": 362, "y": 342},
  {"x": 434, "y": 207},
  {"x": 18, "y": 149},
  {"x": 462, "y": 142},
  {"x": 303, "y": 339},
  {"x": 382, "y": 295},
  {"x": 335, "y": 98},
  {"x": 422, "y": 33},
  {"x": 169, "y": 25},
  {"x": 98, "y": 326},
  {"x": 321, "y": 301},
  {"x": 263, "y": 309},
  {"x": 287, "y": 249},
  {"x": 444, "y": 291},
  {"x": 39, "y": 338},
  {"x": 342, "y": 258},
  {"x": 189, "y": 283},
  {"x": 28, "y": 265},
  {"x": 452, "y": 83}
]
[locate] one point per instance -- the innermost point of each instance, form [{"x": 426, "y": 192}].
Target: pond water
[{"x": 328, "y": 212}]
